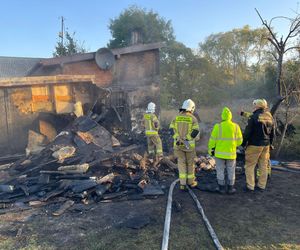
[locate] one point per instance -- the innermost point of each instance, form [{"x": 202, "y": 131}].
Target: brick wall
[
  {"x": 103, "y": 78},
  {"x": 138, "y": 73},
  {"x": 137, "y": 68}
]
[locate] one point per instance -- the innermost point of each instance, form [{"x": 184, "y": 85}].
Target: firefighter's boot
[
  {"x": 231, "y": 189},
  {"x": 221, "y": 189},
  {"x": 183, "y": 188}
]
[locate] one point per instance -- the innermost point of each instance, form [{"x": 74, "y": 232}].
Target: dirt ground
[{"x": 268, "y": 220}]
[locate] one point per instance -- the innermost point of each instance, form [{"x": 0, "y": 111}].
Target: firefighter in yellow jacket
[
  {"x": 225, "y": 137},
  {"x": 151, "y": 124},
  {"x": 185, "y": 128}
]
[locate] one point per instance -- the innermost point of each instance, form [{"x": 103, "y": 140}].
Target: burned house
[{"x": 39, "y": 94}]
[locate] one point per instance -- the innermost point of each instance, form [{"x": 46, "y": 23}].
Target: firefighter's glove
[
  {"x": 194, "y": 133},
  {"x": 212, "y": 152}
]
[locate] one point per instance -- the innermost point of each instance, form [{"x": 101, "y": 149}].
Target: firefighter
[
  {"x": 151, "y": 124},
  {"x": 258, "y": 137},
  {"x": 248, "y": 115},
  {"x": 225, "y": 137},
  {"x": 185, "y": 129}
]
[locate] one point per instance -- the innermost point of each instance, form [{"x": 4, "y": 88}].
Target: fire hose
[{"x": 166, "y": 232}]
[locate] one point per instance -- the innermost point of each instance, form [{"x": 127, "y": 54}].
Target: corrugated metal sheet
[{"x": 17, "y": 66}]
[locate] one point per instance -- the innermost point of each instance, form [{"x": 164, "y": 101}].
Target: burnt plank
[
  {"x": 79, "y": 186},
  {"x": 67, "y": 204},
  {"x": 52, "y": 194}
]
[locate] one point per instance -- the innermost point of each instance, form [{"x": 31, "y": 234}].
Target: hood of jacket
[{"x": 226, "y": 114}]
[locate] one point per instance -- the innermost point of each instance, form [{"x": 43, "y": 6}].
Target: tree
[
  {"x": 185, "y": 75},
  {"x": 175, "y": 60},
  {"x": 68, "y": 46},
  {"x": 235, "y": 51},
  {"x": 281, "y": 46},
  {"x": 290, "y": 106},
  {"x": 152, "y": 27}
]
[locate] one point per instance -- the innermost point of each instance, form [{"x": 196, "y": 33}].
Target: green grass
[{"x": 24, "y": 243}]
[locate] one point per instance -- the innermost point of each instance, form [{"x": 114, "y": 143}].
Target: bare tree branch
[
  {"x": 264, "y": 22},
  {"x": 293, "y": 29},
  {"x": 296, "y": 47},
  {"x": 280, "y": 48},
  {"x": 275, "y": 45}
]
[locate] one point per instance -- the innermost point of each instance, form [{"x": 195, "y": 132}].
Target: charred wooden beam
[{"x": 63, "y": 208}]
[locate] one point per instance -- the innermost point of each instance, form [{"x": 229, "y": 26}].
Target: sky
[{"x": 29, "y": 28}]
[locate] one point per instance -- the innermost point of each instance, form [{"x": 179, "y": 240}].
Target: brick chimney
[{"x": 136, "y": 37}]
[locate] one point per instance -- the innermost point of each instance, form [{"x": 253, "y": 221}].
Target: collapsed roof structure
[{"x": 39, "y": 94}]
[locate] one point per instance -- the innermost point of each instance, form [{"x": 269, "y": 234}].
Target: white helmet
[
  {"x": 188, "y": 105},
  {"x": 150, "y": 107},
  {"x": 260, "y": 103}
]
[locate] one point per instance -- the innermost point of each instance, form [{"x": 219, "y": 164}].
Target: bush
[{"x": 291, "y": 147}]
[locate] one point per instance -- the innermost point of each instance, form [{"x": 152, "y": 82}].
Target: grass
[
  {"x": 267, "y": 221},
  {"x": 119, "y": 239},
  {"x": 24, "y": 243},
  {"x": 187, "y": 234},
  {"x": 212, "y": 114}
]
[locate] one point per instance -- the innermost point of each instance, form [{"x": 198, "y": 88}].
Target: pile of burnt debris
[{"x": 85, "y": 163}]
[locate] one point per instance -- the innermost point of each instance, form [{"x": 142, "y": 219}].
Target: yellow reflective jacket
[
  {"x": 183, "y": 125},
  {"x": 225, "y": 137},
  {"x": 151, "y": 124}
]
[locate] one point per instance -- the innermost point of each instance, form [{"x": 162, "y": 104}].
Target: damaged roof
[
  {"x": 24, "y": 66},
  {"x": 17, "y": 66},
  {"x": 41, "y": 80},
  {"x": 91, "y": 56}
]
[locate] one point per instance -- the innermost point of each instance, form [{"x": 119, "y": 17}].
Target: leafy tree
[
  {"x": 70, "y": 46},
  {"x": 175, "y": 61},
  {"x": 152, "y": 27},
  {"x": 235, "y": 51},
  {"x": 185, "y": 75}
]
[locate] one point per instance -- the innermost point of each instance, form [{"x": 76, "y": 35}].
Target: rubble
[
  {"x": 62, "y": 153},
  {"x": 205, "y": 163},
  {"x": 35, "y": 143},
  {"x": 84, "y": 163},
  {"x": 63, "y": 208}
]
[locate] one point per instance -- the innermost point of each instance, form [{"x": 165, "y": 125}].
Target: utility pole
[{"x": 61, "y": 34}]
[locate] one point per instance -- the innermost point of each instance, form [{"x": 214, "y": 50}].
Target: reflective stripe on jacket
[
  {"x": 151, "y": 124},
  {"x": 225, "y": 137},
  {"x": 183, "y": 125}
]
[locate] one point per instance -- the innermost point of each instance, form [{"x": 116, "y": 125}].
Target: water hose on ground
[
  {"x": 166, "y": 233},
  {"x": 211, "y": 231},
  {"x": 285, "y": 169}
]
